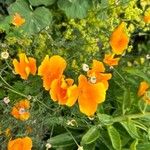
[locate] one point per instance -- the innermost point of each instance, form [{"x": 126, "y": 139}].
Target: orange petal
[
  {"x": 90, "y": 95},
  {"x": 24, "y": 104},
  {"x": 51, "y": 69},
  {"x": 19, "y": 69},
  {"x": 98, "y": 66},
  {"x": 43, "y": 68},
  {"x": 32, "y": 65},
  {"x": 57, "y": 92},
  {"x": 24, "y": 67},
  {"x": 24, "y": 116},
  {"x": 110, "y": 60},
  {"x": 119, "y": 39},
  {"x": 54, "y": 90},
  {"x": 143, "y": 88},
  {"x": 20, "y": 144},
  {"x": 72, "y": 94},
  {"x": 15, "y": 112}
]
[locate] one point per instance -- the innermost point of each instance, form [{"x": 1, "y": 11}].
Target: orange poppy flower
[
  {"x": 50, "y": 69},
  {"x": 20, "y": 144},
  {"x": 144, "y": 86},
  {"x": 110, "y": 60},
  {"x": 63, "y": 91},
  {"x": 144, "y": 91},
  {"x": 90, "y": 95},
  {"x": 20, "y": 110},
  {"x": 25, "y": 66},
  {"x": 18, "y": 20},
  {"x": 147, "y": 16},
  {"x": 97, "y": 72},
  {"x": 119, "y": 39}
]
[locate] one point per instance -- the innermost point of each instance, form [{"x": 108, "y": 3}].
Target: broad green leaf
[
  {"x": 89, "y": 146},
  {"x": 74, "y": 8},
  {"x": 5, "y": 23},
  {"x": 133, "y": 145},
  {"x": 105, "y": 119},
  {"x": 114, "y": 137},
  {"x": 130, "y": 128},
  {"x": 35, "y": 20},
  {"x": 41, "y": 2},
  {"x": 90, "y": 136},
  {"x": 63, "y": 140},
  {"x": 143, "y": 146},
  {"x": 137, "y": 72}
]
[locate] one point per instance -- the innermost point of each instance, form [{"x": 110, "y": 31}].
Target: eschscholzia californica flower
[
  {"x": 90, "y": 95},
  {"x": 97, "y": 74},
  {"x": 147, "y": 16},
  {"x": 50, "y": 69},
  {"x": 18, "y": 20},
  {"x": 64, "y": 91},
  {"x": 20, "y": 144},
  {"x": 20, "y": 110},
  {"x": 119, "y": 39},
  {"x": 110, "y": 60},
  {"x": 144, "y": 92},
  {"x": 25, "y": 66}
]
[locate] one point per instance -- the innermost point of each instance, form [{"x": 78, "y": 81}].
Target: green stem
[
  {"x": 119, "y": 75},
  {"x": 5, "y": 81},
  {"x": 72, "y": 136},
  {"x": 132, "y": 116},
  {"x": 23, "y": 95}
]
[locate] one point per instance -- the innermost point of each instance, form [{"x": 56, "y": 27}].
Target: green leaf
[
  {"x": 35, "y": 20},
  {"x": 114, "y": 137},
  {"x": 143, "y": 146},
  {"x": 133, "y": 145},
  {"x": 5, "y": 23},
  {"x": 89, "y": 146},
  {"x": 137, "y": 72},
  {"x": 91, "y": 135},
  {"x": 74, "y": 8},
  {"x": 63, "y": 140},
  {"x": 126, "y": 100},
  {"x": 104, "y": 119},
  {"x": 41, "y": 2},
  {"x": 130, "y": 128}
]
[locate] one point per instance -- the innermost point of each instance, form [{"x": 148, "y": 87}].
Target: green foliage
[
  {"x": 75, "y": 8},
  {"x": 35, "y": 20},
  {"x": 41, "y": 2},
  {"x": 115, "y": 137},
  {"x": 91, "y": 135},
  {"x": 79, "y": 31},
  {"x": 63, "y": 140}
]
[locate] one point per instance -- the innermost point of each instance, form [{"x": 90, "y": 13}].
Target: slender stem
[
  {"x": 5, "y": 82},
  {"x": 72, "y": 136},
  {"x": 12, "y": 90},
  {"x": 119, "y": 75},
  {"x": 8, "y": 65},
  {"x": 43, "y": 104},
  {"x": 132, "y": 116}
]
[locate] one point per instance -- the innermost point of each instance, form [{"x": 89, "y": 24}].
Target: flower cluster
[{"x": 91, "y": 88}]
